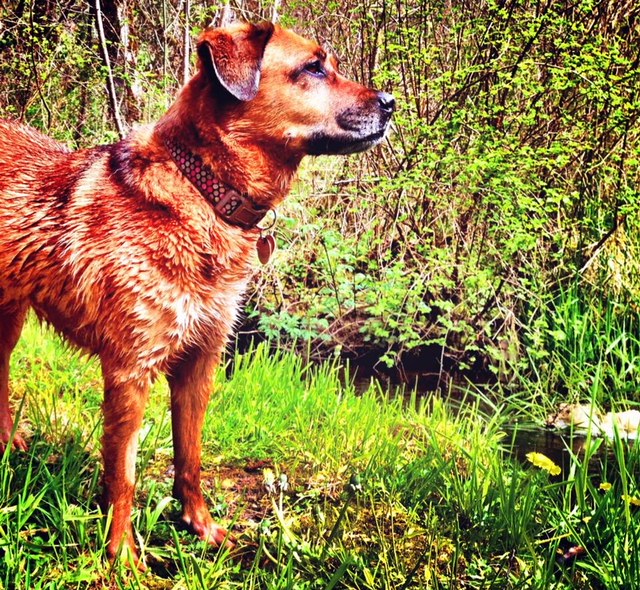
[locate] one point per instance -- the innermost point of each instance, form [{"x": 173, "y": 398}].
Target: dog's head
[{"x": 280, "y": 88}]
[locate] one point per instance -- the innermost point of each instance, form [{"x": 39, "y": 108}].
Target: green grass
[{"x": 325, "y": 488}]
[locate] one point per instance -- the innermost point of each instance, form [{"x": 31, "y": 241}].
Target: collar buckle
[{"x": 240, "y": 209}]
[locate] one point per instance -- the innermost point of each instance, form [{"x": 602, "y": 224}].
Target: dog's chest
[
  {"x": 180, "y": 314},
  {"x": 174, "y": 311},
  {"x": 143, "y": 296}
]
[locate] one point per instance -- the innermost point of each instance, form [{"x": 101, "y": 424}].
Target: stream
[
  {"x": 520, "y": 438},
  {"x": 558, "y": 446}
]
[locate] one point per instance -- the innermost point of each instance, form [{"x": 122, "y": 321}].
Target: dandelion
[
  {"x": 631, "y": 499},
  {"x": 543, "y": 462}
]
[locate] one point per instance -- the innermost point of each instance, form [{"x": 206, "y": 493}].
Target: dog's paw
[
  {"x": 17, "y": 442},
  {"x": 218, "y": 536},
  {"x": 207, "y": 530},
  {"x": 125, "y": 553}
]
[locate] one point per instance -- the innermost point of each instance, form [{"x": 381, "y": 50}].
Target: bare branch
[
  {"x": 111, "y": 88},
  {"x": 187, "y": 41},
  {"x": 227, "y": 15},
  {"x": 34, "y": 66},
  {"x": 274, "y": 13}
]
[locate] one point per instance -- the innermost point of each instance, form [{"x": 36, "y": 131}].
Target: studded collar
[{"x": 232, "y": 206}]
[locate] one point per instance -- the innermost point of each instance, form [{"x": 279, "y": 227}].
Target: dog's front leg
[
  {"x": 123, "y": 408},
  {"x": 11, "y": 321},
  {"x": 191, "y": 381}
]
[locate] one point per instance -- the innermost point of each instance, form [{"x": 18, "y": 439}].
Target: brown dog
[{"x": 139, "y": 252}]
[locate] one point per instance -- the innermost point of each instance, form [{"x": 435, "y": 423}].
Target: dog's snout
[{"x": 387, "y": 102}]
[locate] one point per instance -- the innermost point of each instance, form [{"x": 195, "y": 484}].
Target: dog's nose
[{"x": 387, "y": 102}]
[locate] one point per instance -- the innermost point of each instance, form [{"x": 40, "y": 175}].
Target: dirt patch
[{"x": 243, "y": 488}]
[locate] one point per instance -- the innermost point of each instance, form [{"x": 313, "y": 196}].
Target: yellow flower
[
  {"x": 543, "y": 462},
  {"x": 605, "y": 486},
  {"x": 631, "y": 499}
]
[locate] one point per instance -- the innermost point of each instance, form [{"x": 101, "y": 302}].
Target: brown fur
[{"x": 117, "y": 250}]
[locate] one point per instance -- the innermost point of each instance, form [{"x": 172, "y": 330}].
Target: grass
[{"x": 325, "y": 488}]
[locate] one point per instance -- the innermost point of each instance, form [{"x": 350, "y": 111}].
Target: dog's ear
[{"x": 234, "y": 56}]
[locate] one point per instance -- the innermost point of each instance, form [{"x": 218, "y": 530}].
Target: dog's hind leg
[
  {"x": 12, "y": 317},
  {"x": 123, "y": 409},
  {"x": 191, "y": 381}
]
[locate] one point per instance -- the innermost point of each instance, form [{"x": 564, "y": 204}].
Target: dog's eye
[{"x": 315, "y": 69}]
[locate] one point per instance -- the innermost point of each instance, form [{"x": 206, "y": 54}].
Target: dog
[
  {"x": 139, "y": 252},
  {"x": 584, "y": 418}
]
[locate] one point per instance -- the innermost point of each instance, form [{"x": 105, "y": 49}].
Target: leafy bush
[{"x": 512, "y": 170}]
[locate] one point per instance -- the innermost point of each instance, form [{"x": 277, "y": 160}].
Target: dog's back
[
  {"x": 33, "y": 176},
  {"x": 32, "y": 168}
]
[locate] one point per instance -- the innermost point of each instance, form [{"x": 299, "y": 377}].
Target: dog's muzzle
[
  {"x": 361, "y": 127},
  {"x": 370, "y": 119}
]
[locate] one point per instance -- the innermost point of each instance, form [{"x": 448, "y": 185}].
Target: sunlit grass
[{"x": 324, "y": 487}]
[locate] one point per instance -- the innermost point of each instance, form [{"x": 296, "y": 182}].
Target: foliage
[{"x": 512, "y": 170}]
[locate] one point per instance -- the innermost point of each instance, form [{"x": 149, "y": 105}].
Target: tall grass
[
  {"x": 324, "y": 488},
  {"x": 574, "y": 348}
]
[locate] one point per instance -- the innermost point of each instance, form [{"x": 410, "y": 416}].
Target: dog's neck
[
  {"x": 228, "y": 147},
  {"x": 232, "y": 206}
]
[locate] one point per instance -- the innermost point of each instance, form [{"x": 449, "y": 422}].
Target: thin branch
[
  {"x": 34, "y": 66},
  {"x": 226, "y": 15},
  {"x": 111, "y": 87},
  {"x": 187, "y": 43},
  {"x": 274, "y": 14},
  {"x": 599, "y": 245}
]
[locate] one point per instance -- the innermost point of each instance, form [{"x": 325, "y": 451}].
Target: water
[
  {"x": 520, "y": 439},
  {"x": 558, "y": 446}
]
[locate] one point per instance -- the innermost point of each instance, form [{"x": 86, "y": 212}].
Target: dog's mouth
[{"x": 342, "y": 144}]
